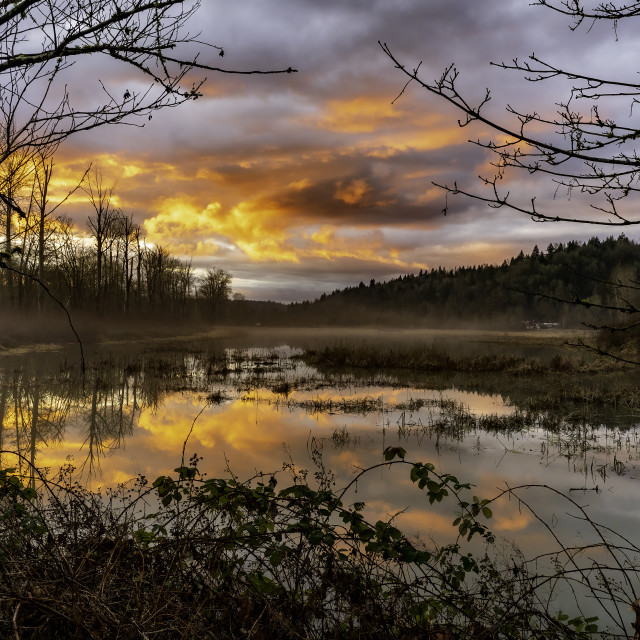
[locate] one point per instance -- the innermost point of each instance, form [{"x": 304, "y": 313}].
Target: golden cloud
[
  {"x": 265, "y": 233},
  {"x": 363, "y": 114},
  {"x": 179, "y": 220},
  {"x": 355, "y": 192},
  {"x": 299, "y": 185},
  {"x": 260, "y": 233},
  {"x": 126, "y": 175},
  {"x": 393, "y": 127},
  {"x": 369, "y": 245},
  {"x": 422, "y": 138}
]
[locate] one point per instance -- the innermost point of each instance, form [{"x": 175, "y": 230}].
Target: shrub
[{"x": 196, "y": 557}]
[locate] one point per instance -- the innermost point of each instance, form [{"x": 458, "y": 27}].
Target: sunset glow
[{"x": 323, "y": 178}]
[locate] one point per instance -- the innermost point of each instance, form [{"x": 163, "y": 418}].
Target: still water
[{"x": 250, "y": 411}]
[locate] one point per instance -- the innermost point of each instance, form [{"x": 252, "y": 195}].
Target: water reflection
[
  {"x": 255, "y": 410},
  {"x": 31, "y": 414},
  {"x": 131, "y": 417}
]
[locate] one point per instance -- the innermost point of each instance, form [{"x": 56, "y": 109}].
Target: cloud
[
  {"x": 362, "y": 114},
  {"x": 355, "y": 192},
  {"x": 300, "y": 183},
  {"x": 260, "y": 233},
  {"x": 251, "y": 229}
]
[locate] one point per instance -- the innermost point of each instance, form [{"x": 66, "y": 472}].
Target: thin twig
[
  {"x": 193, "y": 424},
  {"x": 61, "y": 304}
]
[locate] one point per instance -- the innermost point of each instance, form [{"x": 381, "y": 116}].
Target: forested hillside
[{"x": 489, "y": 295}]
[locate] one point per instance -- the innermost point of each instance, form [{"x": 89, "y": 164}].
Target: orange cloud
[
  {"x": 259, "y": 233},
  {"x": 392, "y": 127},
  {"x": 432, "y": 136},
  {"x": 299, "y": 185},
  {"x": 369, "y": 245},
  {"x": 363, "y": 114},
  {"x": 180, "y": 220},
  {"x": 264, "y": 234},
  {"x": 353, "y": 193}
]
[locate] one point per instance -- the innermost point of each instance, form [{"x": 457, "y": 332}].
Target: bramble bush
[{"x": 194, "y": 557}]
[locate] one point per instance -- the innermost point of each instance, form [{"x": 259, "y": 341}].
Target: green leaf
[
  {"x": 391, "y": 452},
  {"x": 262, "y": 584},
  {"x": 186, "y": 473},
  {"x": 275, "y": 556},
  {"x": 315, "y": 537}
]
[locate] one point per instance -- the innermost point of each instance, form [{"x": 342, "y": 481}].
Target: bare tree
[
  {"x": 41, "y": 39},
  {"x": 215, "y": 287},
  {"x": 41, "y": 102},
  {"x": 101, "y": 224},
  {"x": 75, "y": 269},
  {"x": 15, "y": 176},
  {"x": 127, "y": 235},
  {"x": 158, "y": 266},
  {"x": 580, "y": 142},
  {"x": 40, "y": 203}
]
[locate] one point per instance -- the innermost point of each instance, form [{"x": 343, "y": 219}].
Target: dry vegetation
[{"x": 191, "y": 557}]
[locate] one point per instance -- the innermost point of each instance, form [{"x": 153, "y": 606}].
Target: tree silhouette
[
  {"x": 214, "y": 288},
  {"x": 41, "y": 103}
]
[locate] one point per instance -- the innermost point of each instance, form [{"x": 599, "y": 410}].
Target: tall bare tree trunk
[
  {"x": 42, "y": 205},
  {"x": 100, "y": 225},
  {"x": 7, "y": 248}
]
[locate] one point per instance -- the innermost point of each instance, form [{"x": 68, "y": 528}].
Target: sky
[{"x": 303, "y": 183}]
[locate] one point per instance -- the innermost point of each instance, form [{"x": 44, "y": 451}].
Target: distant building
[{"x": 531, "y": 325}]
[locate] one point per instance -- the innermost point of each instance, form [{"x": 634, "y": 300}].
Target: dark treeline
[
  {"x": 113, "y": 271},
  {"x": 529, "y": 289},
  {"x": 492, "y": 295},
  {"x": 504, "y": 296}
]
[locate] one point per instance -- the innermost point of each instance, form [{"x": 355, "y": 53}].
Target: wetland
[{"x": 317, "y": 408}]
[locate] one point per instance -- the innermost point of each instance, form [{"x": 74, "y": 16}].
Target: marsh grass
[
  {"x": 570, "y": 393},
  {"x": 577, "y": 437},
  {"x": 433, "y": 358},
  {"x": 342, "y": 437},
  {"x": 557, "y": 382}
]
